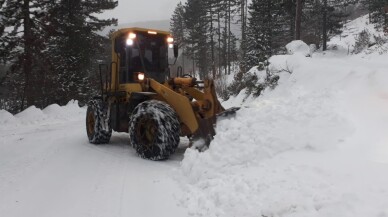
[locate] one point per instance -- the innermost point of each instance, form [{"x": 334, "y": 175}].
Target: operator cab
[{"x": 142, "y": 53}]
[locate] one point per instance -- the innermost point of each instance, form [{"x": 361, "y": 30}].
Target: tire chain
[
  {"x": 168, "y": 123},
  {"x": 102, "y": 128}
]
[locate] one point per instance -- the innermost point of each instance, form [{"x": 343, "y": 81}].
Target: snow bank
[
  {"x": 242, "y": 97},
  {"x": 315, "y": 146},
  {"x": 51, "y": 114},
  {"x": 298, "y": 46},
  {"x": 6, "y": 117},
  {"x": 235, "y": 177},
  {"x": 67, "y": 112},
  {"x": 31, "y": 115},
  {"x": 283, "y": 65}
]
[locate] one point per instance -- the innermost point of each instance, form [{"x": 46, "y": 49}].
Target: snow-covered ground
[
  {"x": 344, "y": 43},
  {"x": 49, "y": 169},
  {"x": 316, "y": 146}
]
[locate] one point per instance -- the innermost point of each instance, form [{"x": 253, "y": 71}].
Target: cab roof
[{"x": 137, "y": 29}]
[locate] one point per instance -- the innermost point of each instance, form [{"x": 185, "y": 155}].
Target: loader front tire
[
  {"x": 154, "y": 130},
  {"x": 97, "y": 123}
]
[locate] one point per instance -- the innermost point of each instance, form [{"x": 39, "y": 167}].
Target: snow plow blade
[
  {"x": 206, "y": 132},
  {"x": 198, "y": 109},
  {"x": 231, "y": 112}
]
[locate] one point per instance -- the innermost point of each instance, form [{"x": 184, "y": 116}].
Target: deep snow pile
[
  {"x": 51, "y": 114},
  {"x": 315, "y": 146},
  {"x": 298, "y": 47}
]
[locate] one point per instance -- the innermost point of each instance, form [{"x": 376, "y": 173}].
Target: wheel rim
[
  {"x": 91, "y": 122},
  {"x": 146, "y": 132}
]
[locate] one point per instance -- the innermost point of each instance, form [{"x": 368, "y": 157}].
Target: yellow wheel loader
[{"x": 138, "y": 96}]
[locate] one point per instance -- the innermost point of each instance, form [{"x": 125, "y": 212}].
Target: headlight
[
  {"x": 170, "y": 40},
  {"x": 129, "y": 42},
  {"x": 132, "y": 36},
  {"x": 140, "y": 76}
]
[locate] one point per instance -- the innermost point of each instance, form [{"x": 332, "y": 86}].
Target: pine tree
[
  {"x": 264, "y": 31},
  {"x": 379, "y": 13},
  {"x": 197, "y": 24},
  {"x": 212, "y": 8},
  {"x": 298, "y": 19},
  {"x": 323, "y": 19},
  {"x": 177, "y": 26},
  {"x": 231, "y": 7},
  {"x": 178, "y": 29},
  {"x": 243, "y": 47},
  {"x": 50, "y": 46},
  {"x": 75, "y": 46},
  {"x": 21, "y": 46},
  {"x": 208, "y": 38}
]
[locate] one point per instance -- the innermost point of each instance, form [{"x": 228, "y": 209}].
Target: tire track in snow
[{"x": 54, "y": 171}]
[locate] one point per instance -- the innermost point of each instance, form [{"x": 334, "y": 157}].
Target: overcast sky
[{"x": 130, "y": 11}]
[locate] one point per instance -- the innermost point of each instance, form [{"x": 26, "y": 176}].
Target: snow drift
[
  {"x": 51, "y": 114},
  {"x": 315, "y": 146}
]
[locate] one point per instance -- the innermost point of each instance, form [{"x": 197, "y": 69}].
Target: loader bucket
[
  {"x": 206, "y": 132},
  {"x": 198, "y": 108}
]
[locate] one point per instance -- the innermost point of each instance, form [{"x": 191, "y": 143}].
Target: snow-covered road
[{"x": 51, "y": 170}]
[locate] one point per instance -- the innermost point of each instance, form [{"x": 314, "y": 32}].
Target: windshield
[{"x": 148, "y": 54}]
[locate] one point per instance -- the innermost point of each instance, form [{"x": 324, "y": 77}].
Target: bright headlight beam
[
  {"x": 140, "y": 76},
  {"x": 129, "y": 42},
  {"x": 170, "y": 40},
  {"x": 132, "y": 36}
]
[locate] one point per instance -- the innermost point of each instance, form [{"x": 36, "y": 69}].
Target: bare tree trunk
[
  {"x": 225, "y": 44},
  {"x": 324, "y": 30},
  {"x": 242, "y": 15},
  {"x": 243, "y": 36},
  {"x": 27, "y": 62},
  {"x": 212, "y": 42},
  {"x": 194, "y": 74},
  {"x": 219, "y": 43},
  {"x": 183, "y": 47},
  {"x": 229, "y": 20},
  {"x": 183, "y": 59},
  {"x": 298, "y": 19},
  {"x": 369, "y": 11}
]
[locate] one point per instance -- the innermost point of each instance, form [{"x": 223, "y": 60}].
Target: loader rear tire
[
  {"x": 97, "y": 123},
  {"x": 154, "y": 130}
]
